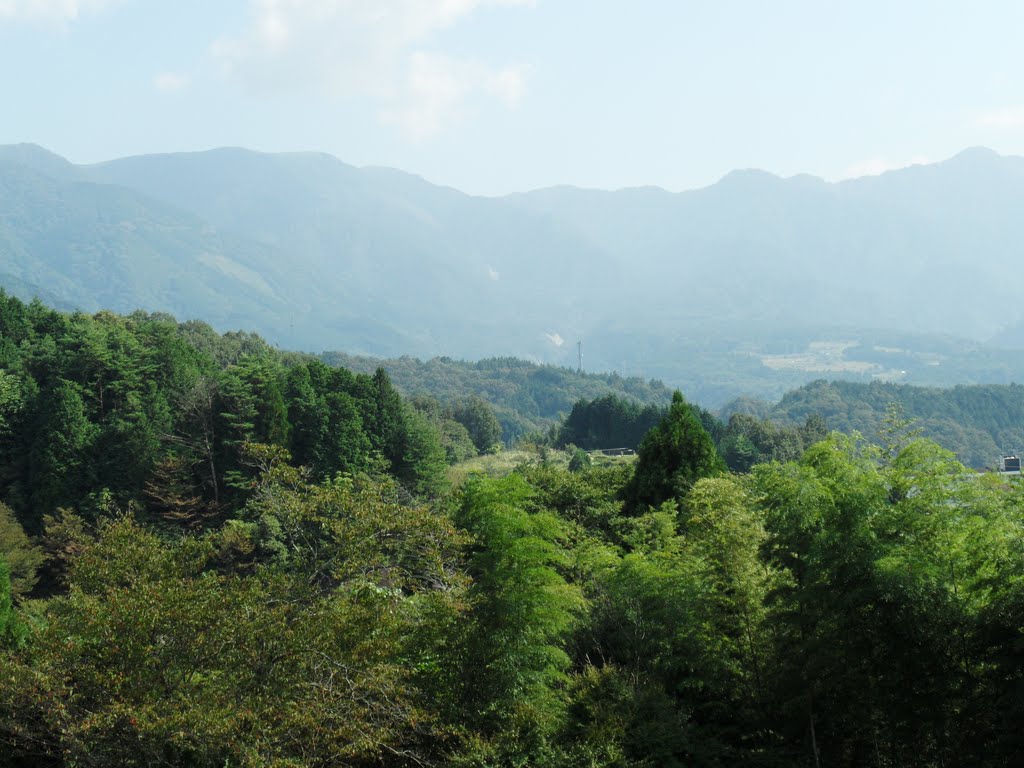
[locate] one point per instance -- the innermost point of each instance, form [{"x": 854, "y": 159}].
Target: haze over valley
[{"x": 747, "y": 287}]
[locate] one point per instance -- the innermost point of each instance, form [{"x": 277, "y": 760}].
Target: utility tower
[{"x": 579, "y": 355}]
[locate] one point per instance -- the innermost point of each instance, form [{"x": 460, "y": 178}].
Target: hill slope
[
  {"x": 926, "y": 249},
  {"x": 753, "y": 285},
  {"x": 460, "y": 274},
  {"x": 979, "y": 423},
  {"x": 526, "y": 397},
  {"x": 88, "y": 246}
]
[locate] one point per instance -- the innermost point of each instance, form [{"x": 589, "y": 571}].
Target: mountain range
[{"x": 748, "y": 286}]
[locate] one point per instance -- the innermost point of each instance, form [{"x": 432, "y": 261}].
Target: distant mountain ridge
[
  {"x": 87, "y": 245},
  {"x": 694, "y": 287},
  {"x": 904, "y": 249}
]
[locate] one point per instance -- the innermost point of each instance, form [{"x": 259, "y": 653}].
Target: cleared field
[{"x": 501, "y": 464}]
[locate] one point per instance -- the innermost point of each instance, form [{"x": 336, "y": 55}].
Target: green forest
[
  {"x": 528, "y": 399},
  {"x": 978, "y": 422},
  {"x": 214, "y": 553}
]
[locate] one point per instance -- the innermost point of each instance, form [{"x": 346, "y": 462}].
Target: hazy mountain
[
  {"x": 459, "y": 274},
  {"x": 756, "y": 283},
  {"x": 926, "y": 249},
  {"x": 91, "y": 246}
]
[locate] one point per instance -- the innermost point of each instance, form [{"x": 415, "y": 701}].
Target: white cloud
[
  {"x": 381, "y": 49},
  {"x": 555, "y": 339},
  {"x": 50, "y": 10},
  {"x": 876, "y": 166},
  {"x": 438, "y": 89},
  {"x": 170, "y": 81},
  {"x": 508, "y": 85},
  {"x": 1010, "y": 117}
]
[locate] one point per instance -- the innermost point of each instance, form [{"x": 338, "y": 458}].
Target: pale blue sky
[{"x": 495, "y": 96}]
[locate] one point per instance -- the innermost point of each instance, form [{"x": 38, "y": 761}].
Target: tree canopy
[
  {"x": 673, "y": 456},
  {"x": 225, "y": 555}
]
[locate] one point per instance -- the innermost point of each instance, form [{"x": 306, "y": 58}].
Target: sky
[{"x": 501, "y": 96}]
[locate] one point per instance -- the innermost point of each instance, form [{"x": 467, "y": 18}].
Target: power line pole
[{"x": 579, "y": 353}]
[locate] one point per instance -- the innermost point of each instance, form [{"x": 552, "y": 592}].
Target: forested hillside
[
  {"x": 743, "y": 441},
  {"x": 527, "y": 397},
  {"x": 91, "y": 246},
  {"x": 214, "y": 553},
  {"x": 978, "y": 423},
  {"x": 111, "y": 410}
]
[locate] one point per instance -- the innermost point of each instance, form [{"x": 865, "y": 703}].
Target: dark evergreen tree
[
  {"x": 345, "y": 446},
  {"x": 607, "y": 422},
  {"x": 671, "y": 458},
  {"x": 61, "y": 468},
  {"x": 387, "y": 426},
  {"x": 309, "y": 418}
]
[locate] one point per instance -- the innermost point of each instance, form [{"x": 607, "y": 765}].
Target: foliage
[
  {"x": 744, "y": 441},
  {"x": 523, "y": 611},
  {"x": 526, "y": 398},
  {"x": 256, "y": 559},
  {"x": 580, "y": 460},
  {"x": 455, "y": 438},
  {"x": 747, "y": 440},
  {"x": 672, "y": 457},
  {"x": 305, "y": 651},
  {"x": 979, "y": 423},
  {"x": 141, "y": 410},
  {"x": 22, "y": 558},
  {"x": 607, "y": 422},
  {"x": 478, "y": 418},
  {"x": 10, "y": 629}
]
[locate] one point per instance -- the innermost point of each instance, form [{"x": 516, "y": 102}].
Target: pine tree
[{"x": 671, "y": 458}]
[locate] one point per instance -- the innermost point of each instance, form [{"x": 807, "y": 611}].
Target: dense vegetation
[
  {"x": 607, "y": 422},
  {"x": 527, "y": 398},
  {"x": 213, "y": 554},
  {"x": 743, "y": 441},
  {"x": 140, "y": 410},
  {"x": 979, "y": 423}
]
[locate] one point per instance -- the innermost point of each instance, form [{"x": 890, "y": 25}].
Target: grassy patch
[{"x": 505, "y": 462}]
